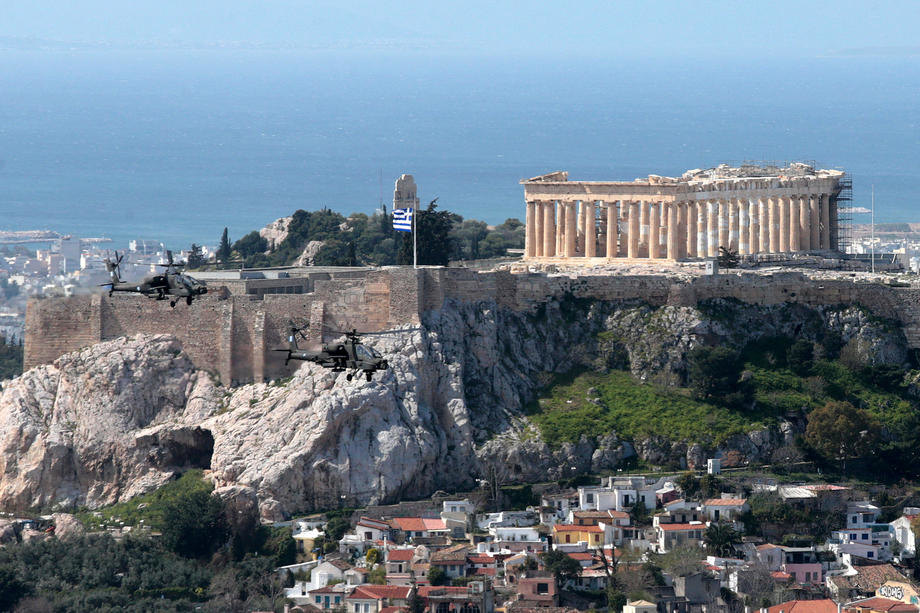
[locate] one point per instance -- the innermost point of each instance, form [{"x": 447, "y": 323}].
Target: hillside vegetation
[{"x": 780, "y": 384}]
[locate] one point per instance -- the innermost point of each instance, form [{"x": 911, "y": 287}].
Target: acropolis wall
[{"x": 748, "y": 210}]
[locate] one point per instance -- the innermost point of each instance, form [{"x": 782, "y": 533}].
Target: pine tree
[{"x": 223, "y": 252}]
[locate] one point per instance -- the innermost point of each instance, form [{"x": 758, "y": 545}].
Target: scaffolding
[{"x": 844, "y": 210}]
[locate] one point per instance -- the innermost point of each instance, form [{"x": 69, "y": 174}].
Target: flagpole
[{"x": 414, "y": 242}]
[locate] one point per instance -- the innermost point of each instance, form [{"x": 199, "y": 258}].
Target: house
[
  {"x": 640, "y": 606},
  {"x": 802, "y": 563},
  {"x": 537, "y": 589},
  {"x": 328, "y": 571},
  {"x": 515, "y": 539},
  {"x": 482, "y": 564},
  {"x": 398, "y": 560},
  {"x": 899, "y": 589},
  {"x": 451, "y": 560},
  {"x": 325, "y": 598},
  {"x": 620, "y": 493},
  {"x": 356, "y": 576},
  {"x": 419, "y": 527},
  {"x": 904, "y": 534},
  {"x": 568, "y": 533},
  {"x": 880, "y": 605},
  {"x": 862, "y": 514},
  {"x": 672, "y": 536},
  {"x": 679, "y": 512},
  {"x": 805, "y": 606},
  {"x": 477, "y": 597},
  {"x": 373, "y": 529},
  {"x": 871, "y": 543},
  {"x": 561, "y": 502},
  {"x": 725, "y": 508},
  {"x": 458, "y": 506},
  {"x": 770, "y": 556},
  {"x": 373, "y": 598},
  {"x": 863, "y": 583}
]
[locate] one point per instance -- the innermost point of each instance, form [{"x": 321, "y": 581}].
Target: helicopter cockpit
[{"x": 367, "y": 353}]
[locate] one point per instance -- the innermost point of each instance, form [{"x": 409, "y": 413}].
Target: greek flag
[{"x": 402, "y": 220}]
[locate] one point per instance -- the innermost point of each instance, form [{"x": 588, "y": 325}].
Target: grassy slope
[
  {"x": 153, "y": 503},
  {"x": 563, "y": 412}
]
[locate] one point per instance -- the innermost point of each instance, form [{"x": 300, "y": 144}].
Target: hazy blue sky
[{"x": 628, "y": 28}]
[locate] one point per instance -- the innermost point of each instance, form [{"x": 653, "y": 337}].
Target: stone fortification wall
[{"x": 234, "y": 335}]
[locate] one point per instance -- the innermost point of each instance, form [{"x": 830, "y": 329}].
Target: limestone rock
[
  {"x": 275, "y": 232},
  {"x": 68, "y": 431},
  {"x": 7, "y": 532},
  {"x": 66, "y": 526},
  {"x": 308, "y": 255}
]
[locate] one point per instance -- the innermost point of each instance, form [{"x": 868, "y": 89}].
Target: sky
[{"x": 641, "y": 29}]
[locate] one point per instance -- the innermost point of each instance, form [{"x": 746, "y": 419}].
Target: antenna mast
[{"x": 873, "y": 227}]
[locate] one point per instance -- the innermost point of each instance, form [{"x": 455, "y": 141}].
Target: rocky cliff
[{"x": 122, "y": 417}]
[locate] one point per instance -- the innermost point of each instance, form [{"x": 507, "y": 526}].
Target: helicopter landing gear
[
  {"x": 172, "y": 303},
  {"x": 349, "y": 377},
  {"x": 188, "y": 300},
  {"x": 368, "y": 375}
]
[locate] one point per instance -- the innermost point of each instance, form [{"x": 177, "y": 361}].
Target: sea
[{"x": 176, "y": 145}]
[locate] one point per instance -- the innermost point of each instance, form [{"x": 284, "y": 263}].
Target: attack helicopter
[
  {"x": 171, "y": 284},
  {"x": 351, "y": 354}
]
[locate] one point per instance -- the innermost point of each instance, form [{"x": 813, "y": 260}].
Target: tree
[
  {"x": 251, "y": 244},
  {"x": 728, "y": 258},
  {"x": 564, "y": 567},
  {"x": 715, "y": 374},
  {"x": 437, "y": 576},
  {"x": 838, "y": 430},
  {"x": 224, "y": 250},
  {"x": 433, "y": 229},
  {"x": 336, "y": 528},
  {"x": 372, "y": 556},
  {"x": 681, "y": 561},
  {"x": 378, "y": 576},
  {"x": 688, "y": 484},
  {"x": 195, "y": 259},
  {"x": 12, "y": 589},
  {"x": 801, "y": 357},
  {"x": 194, "y": 525},
  {"x": 721, "y": 538}
]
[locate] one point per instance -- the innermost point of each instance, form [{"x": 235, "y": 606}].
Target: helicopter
[
  {"x": 170, "y": 284},
  {"x": 351, "y": 354}
]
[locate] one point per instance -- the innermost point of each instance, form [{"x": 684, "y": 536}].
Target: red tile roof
[
  {"x": 418, "y": 524},
  {"x": 680, "y": 527},
  {"x": 767, "y": 546},
  {"x": 883, "y": 604},
  {"x": 780, "y": 575},
  {"x": 424, "y": 591},
  {"x": 485, "y": 571},
  {"x": 481, "y": 559},
  {"x": 581, "y": 555},
  {"x": 379, "y": 592},
  {"x": 805, "y": 606},
  {"x": 725, "y": 502},
  {"x": 393, "y": 609},
  {"x": 400, "y": 555},
  {"x": 573, "y": 528}
]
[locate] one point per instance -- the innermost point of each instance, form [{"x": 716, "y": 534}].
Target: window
[
  {"x": 855, "y": 519},
  {"x": 337, "y": 599},
  {"x": 443, "y": 607},
  {"x": 865, "y": 537},
  {"x": 543, "y": 588},
  {"x": 869, "y": 554},
  {"x": 318, "y": 599},
  {"x": 469, "y": 608},
  {"x": 626, "y": 499},
  {"x": 368, "y": 536},
  {"x": 589, "y": 498},
  {"x": 807, "y": 576},
  {"x": 568, "y": 538}
]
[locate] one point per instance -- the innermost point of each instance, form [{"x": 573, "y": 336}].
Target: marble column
[
  {"x": 560, "y": 228},
  {"x": 702, "y": 233},
  {"x": 613, "y": 229},
  {"x": 723, "y": 224},
  {"x": 763, "y": 211},
  {"x": 571, "y": 229},
  {"x": 734, "y": 231},
  {"x": 754, "y": 213},
  {"x": 825, "y": 222},
  {"x": 644, "y": 207},
  {"x": 590, "y": 230},
  {"x": 784, "y": 224},
  {"x": 795, "y": 232},
  {"x": 673, "y": 231},
  {"x": 804, "y": 231},
  {"x": 683, "y": 236},
  {"x": 624, "y": 236},
  {"x": 692, "y": 238},
  {"x": 712, "y": 240},
  {"x": 833, "y": 224},
  {"x": 654, "y": 238},
  {"x": 633, "y": 238},
  {"x": 581, "y": 215},
  {"x": 549, "y": 229},
  {"x": 530, "y": 227},
  {"x": 774, "y": 224},
  {"x": 814, "y": 222},
  {"x": 744, "y": 228}
]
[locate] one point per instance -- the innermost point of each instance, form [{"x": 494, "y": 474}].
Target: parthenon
[{"x": 751, "y": 209}]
